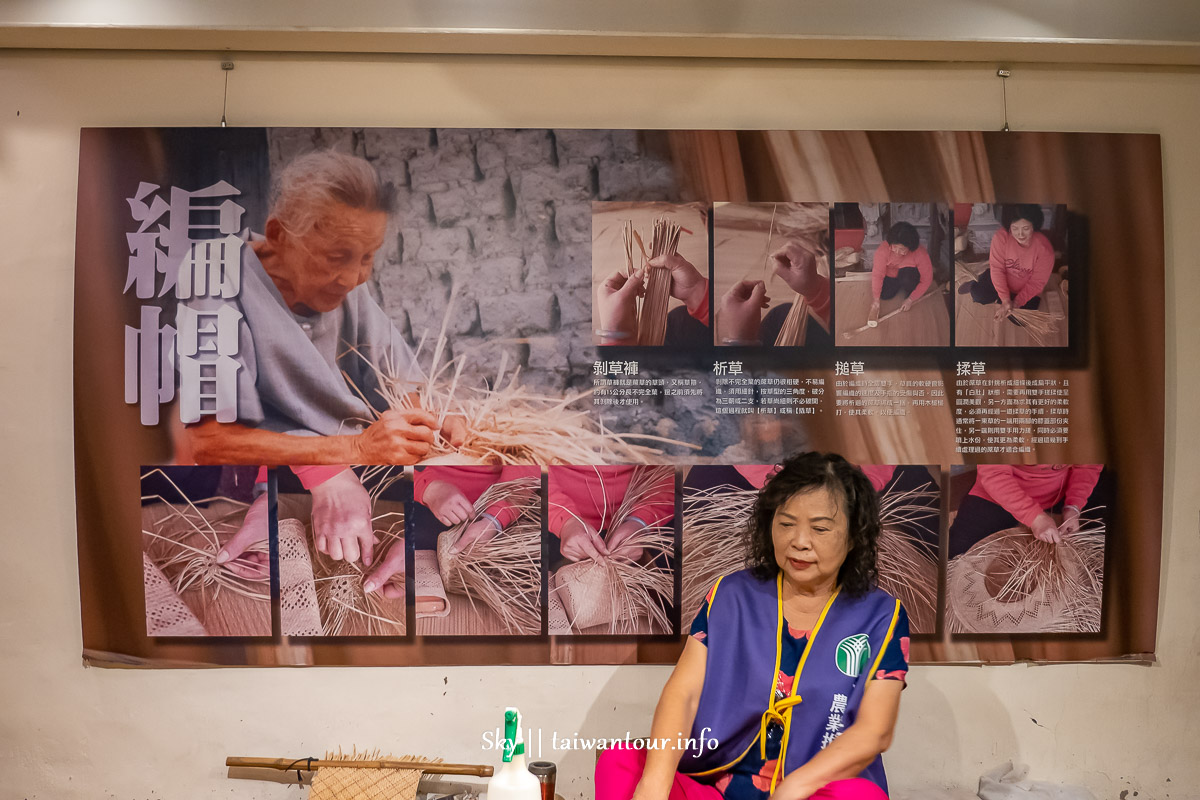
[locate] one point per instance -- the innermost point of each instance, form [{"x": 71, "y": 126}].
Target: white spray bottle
[{"x": 513, "y": 781}]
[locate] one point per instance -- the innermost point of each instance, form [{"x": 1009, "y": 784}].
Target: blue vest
[{"x": 745, "y": 626}]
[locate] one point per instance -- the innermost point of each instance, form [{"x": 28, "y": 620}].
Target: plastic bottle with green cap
[{"x": 513, "y": 781}]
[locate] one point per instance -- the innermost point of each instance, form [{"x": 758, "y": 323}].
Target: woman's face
[
  {"x": 811, "y": 534},
  {"x": 318, "y": 269},
  {"x": 900, "y": 250},
  {"x": 1022, "y": 231}
]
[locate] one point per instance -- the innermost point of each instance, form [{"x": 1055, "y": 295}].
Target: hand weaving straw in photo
[
  {"x": 715, "y": 542},
  {"x": 506, "y": 423},
  {"x": 652, "y": 318},
  {"x": 299, "y": 614},
  {"x": 808, "y": 226},
  {"x": 907, "y": 568},
  {"x": 1011, "y": 582},
  {"x": 626, "y": 597},
  {"x": 504, "y": 573},
  {"x": 181, "y": 541},
  {"x": 346, "y": 610}
]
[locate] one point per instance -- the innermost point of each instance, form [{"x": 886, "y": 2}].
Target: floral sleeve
[{"x": 894, "y": 666}]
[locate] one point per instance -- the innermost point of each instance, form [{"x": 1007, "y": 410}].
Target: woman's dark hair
[
  {"x": 1026, "y": 211},
  {"x": 803, "y": 473},
  {"x": 903, "y": 233}
]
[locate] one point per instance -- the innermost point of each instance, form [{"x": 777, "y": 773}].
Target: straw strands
[
  {"x": 504, "y": 573},
  {"x": 907, "y": 568},
  {"x": 185, "y": 544},
  {"x": 795, "y": 325},
  {"x": 1011, "y": 582},
  {"x": 1040, "y": 325},
  {"x": 506, "y": 423},
  {"x": 652, "y": 316},
  {"x": 347, "y": 610},
  {"x": 630, "y": 597},
  {"x": 715, "y": 543}
]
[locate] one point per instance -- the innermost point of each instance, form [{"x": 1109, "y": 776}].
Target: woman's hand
[
  {"x": 578, "y": 541},
  {"x": 254, "y": 566},
  {"x": 447, "y": 503},
  {"x": 381, "y": 579},
  {"x": 616, "y": 304},
  {"x": 1044, "y": 529},
  {"x": 1005, "y": 308},
  {"x": 617, "y": 537},
  {"x": 687, "y": 284},
  {"x": 341, "y": 518},
  {"x": 481, "y": 531},
  {"x": 907, "y": 304},
  {"x": 739, "y": 318},
  {"x": 797, "y": 268},
  {"x": 397, "y": 437},
  {"x": 454, "y": 429},
  {"x": 1070, "y": 521}
]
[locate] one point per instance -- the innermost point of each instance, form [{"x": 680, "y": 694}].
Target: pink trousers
[{"x": 618, "y": 771}]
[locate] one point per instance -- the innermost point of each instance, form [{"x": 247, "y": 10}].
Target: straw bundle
[
  {"x": 795, "y": 324},
  {"x": 808, "y": 226},
  {"x": 505, "y": 573},
  {"x": 629, "y": 597},
  {"x": 1040, "y": 325},
  {"x": 184, "y": 546},
  {"x": 907, "y": 569},
  {"x": 652, "y": 317},
  {"x": 1011, "y": 582},
  {"x": 714, "y": 538},
  {"x": 506, "y": 423},
  {"x": 968, "y": 271}
]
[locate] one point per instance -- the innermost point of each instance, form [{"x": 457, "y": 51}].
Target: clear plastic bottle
[{"x": 513, "y": 781}]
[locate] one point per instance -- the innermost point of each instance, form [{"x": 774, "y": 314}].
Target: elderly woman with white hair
[{"x": 311, "y": 344}]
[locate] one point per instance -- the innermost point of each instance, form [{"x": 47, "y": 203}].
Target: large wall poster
[{"x": 414, "y": 396}]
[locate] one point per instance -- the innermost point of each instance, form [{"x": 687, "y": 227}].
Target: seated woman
[
  {"x": 789, "y": 685},
  {"x": 1019, "y": 263}
]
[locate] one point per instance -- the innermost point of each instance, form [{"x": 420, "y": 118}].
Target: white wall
[{"x": 67, "y": 731}]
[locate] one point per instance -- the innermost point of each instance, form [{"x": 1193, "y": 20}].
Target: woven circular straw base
[{"x": 977, "y": 601}]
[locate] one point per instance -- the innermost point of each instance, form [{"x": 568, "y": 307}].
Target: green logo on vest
[{"x": 852, "y": 654}]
